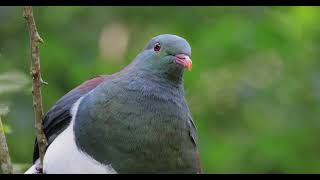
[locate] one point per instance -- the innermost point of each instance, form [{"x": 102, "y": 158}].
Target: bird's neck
[
  {"x": 169, "y": 74},
  {"x": 172, "y": 77},
  {"x": 170, "y": 80}
]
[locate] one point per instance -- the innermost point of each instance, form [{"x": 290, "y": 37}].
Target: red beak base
[{"x": 184, "y": 60}]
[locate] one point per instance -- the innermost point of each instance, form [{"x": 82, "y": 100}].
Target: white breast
[{"x": 63, "y": 156}]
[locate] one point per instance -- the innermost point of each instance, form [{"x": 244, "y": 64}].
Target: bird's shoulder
[{"x": 58, "y": 116}]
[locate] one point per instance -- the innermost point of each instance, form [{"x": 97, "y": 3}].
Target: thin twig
[
  {"x": 35, "y": 40},
  {"x": 5, "y": 161}
]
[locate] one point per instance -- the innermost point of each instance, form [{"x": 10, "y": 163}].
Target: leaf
[
  {"x": 13, "y": 81},
  {"x": 4, "y": 109},
  {"x": 7, "y": 129}
]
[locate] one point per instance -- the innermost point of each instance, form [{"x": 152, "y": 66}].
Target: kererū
[{"x": 134, "y": 121}]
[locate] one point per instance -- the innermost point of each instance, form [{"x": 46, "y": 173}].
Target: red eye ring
[{"x": 157, "y": 47}]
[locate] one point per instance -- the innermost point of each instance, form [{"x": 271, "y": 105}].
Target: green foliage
[{"x": 254, "y": 90}]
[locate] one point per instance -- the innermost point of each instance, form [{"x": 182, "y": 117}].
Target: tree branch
[
  {"x": 5, "y": 161},
  {"x": 35, "y": 40}
]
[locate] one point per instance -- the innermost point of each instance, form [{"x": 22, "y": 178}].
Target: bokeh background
[{"x": 254, "y": 89}]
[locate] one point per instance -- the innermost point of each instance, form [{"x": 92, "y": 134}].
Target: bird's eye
[{"x": 157, "y": 47}]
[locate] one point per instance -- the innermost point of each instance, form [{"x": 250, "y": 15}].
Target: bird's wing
[
  {"x": 193, "y": 136},
  {"x": 58, "y": 117}
]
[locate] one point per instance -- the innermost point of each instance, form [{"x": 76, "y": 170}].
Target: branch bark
[
  {"x": 5, "y": 160},
  {"x": 35, "y": 40}
]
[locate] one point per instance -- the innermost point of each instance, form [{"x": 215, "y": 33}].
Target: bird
[{"x": 135, "y": 121}]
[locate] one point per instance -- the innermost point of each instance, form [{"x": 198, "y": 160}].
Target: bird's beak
[{"x": 184, "y": 60}]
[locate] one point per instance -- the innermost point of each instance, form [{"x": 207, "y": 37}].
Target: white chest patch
[{"x": 63, "y": 156}]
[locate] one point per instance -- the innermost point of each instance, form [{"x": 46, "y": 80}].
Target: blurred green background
[{"x": 254, "y": 89}]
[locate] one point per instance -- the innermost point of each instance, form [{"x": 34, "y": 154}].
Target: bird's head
[{"x": 166, "y": 55}]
